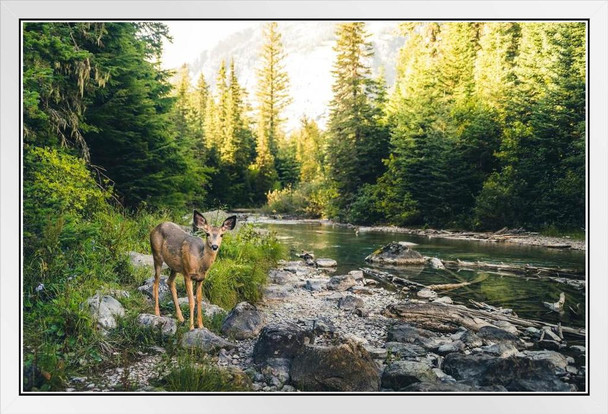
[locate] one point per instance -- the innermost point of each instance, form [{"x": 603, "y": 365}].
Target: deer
[{"x": 189, "y": 255}]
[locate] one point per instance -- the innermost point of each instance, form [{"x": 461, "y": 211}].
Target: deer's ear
[
  {"x": 229, "y": 223},
  {"x": 199, "y": 221}
]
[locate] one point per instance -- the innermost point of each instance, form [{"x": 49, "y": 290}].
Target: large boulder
[
  {"x": 401, "y": 374},
  {"x": 281, "y": 340},
  {"x": 515, "y": 373},
  {"x": 205, "y": 340},
  {"x": 347, "y": 367},
  {"x": 396, "y": 254},
  {"x": 167, "y": 326},
  {"x": 104, "y": 309},
  {"x": 244, "y": 321}
]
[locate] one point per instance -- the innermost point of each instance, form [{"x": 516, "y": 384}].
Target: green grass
[
  {"x": 194, "y": 372},
  {"x": 574, "y": 234}
]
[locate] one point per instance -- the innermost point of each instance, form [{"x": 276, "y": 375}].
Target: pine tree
[{"x": 357, "y": 142}]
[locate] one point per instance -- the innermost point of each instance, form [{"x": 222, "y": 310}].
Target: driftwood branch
[
  {"x": 527, "y": 270},
  {"x": 448, "y": 318}
]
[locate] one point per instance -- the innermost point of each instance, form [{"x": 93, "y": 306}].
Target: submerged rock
[
  {"x": 244, "y": 321},
  {"x": 396, "y": 254},
  {"x": 347, "y": 367}
]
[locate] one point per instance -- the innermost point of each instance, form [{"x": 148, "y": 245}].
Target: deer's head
[{"x": 213, "y": 234}]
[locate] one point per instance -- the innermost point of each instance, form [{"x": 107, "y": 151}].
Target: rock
[
  {"x": 244, "y": 321},
  {"x": 405, "y": 350},
  {"x": 167, "y": 326},
  {"x": 501, "y": 349},
  {"x": 555, "y": 358},
  {"x": 449, "y": 347},
  {"x": 323, "y": 326},
  {"x": 316, "y": 285},
  {"x": 401, "y": 374},
  {"x": 470, "y": 339},
  {"x": 350, "y": 302},
  {"x": 525, "y": 374},
  {"x": 515, "y": 373},
  {"x": 205, "y": 340},
  {"x": 347, "y": 367},
  {"x": 277, "y": 292},
  {"x": 468, "y": 368},
  {"x": 163, "y": 289},
  {"x": 104, "y": 309},
  {"x": 341, "y": 283},
  {"x": 409, "y": 334},
  {"x": 280, "y": 340},
  {"x": 376, "y": 353},
  {"x": 276, "y": 371},
  {"x": 549, "y": 344},
  {"x": 436, "y": 263},
  {"x": 282, "y": 277},
  {"x": 395, "y": 254},
  {"x": 362, "y": 312},
  {"x": 361, "y": 290},
  {"x": 426, "y": 294},
  {"x": 357, "y": 275},
  {"x": 326, "y": 263}
]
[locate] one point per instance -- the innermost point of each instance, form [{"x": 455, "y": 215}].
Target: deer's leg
[
  {"x": 171, "y": 283},
  {"x": 190, "y": 299},
  {"x": 157, "y": 266},
  {"x": 199, "y": 303}
]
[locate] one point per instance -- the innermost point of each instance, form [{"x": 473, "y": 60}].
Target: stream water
[{"x": 524, "y": 295}]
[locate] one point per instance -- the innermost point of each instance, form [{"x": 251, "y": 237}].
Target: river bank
[
  {"x": 507, "y": 236},
  {"x": 318, "y": 331}
]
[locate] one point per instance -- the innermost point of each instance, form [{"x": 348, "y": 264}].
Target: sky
[{"x": 192, "y": 37}]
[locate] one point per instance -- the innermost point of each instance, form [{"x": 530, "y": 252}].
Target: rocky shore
[
  {"x": 318, "y": 331},
  {"x": 510, "y": 236}
]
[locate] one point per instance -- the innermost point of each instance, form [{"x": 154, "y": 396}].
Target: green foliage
[
  {"x": 57, "y": 183},
  {"x": 357, "y": 135},
  {"x": 240, "y": 272},
  {"x": 195, "y": 373}
]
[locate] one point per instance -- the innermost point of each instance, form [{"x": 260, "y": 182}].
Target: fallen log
[
  {"x": 511, "y": 268},
  {"x": 448, "y": 318},
  {"x": 390, "y": 278},
  {"x": 452, "y": 286}
]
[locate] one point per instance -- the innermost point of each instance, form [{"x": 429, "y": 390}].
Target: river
[{"x": 524, "y": 295}]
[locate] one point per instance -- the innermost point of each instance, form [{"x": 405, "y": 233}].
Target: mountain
[{"x": 309, "y": 59}]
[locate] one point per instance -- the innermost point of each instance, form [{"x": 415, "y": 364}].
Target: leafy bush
[{"x": 240, "y": 271}]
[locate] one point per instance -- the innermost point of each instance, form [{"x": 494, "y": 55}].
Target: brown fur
[{"x": 188, "y": 255}]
